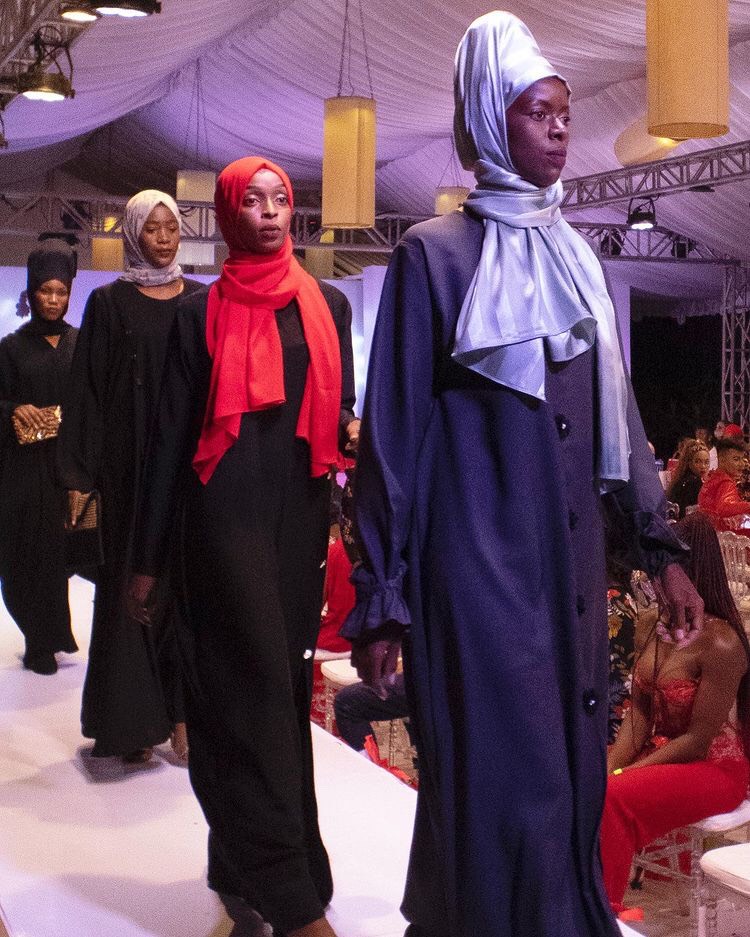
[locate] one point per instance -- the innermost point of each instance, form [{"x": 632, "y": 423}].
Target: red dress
[
  {"x": 721, "y": 502},
  {"x": 645, "y": 803}
]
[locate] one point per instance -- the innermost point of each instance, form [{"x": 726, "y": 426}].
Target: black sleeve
[
  {"x": 8, "y": 388},
  {"x": 636, "y": 512},
  {"x": 79, "y": 446},
  {"x": 182, "y": 402},
  {"x": 342, "y": 317}
]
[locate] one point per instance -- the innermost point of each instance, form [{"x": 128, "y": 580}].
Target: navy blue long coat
[{"x": 482, "y": 527}]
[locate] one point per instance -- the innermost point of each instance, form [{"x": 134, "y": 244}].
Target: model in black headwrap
[{"x": 34, "y": 368}]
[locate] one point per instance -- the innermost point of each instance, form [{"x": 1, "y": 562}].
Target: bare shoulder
[{"x": 723, "y": 646}]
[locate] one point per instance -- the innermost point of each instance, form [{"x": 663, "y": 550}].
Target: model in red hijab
[{"x": 256, "y": 403}]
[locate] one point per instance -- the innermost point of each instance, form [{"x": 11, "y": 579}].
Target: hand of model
[
  {"x": 680, "y": 606},
  {"x": 77, "y": 501},
  {"x": 33, "y": 418},
  {"x": 376, "y": 664},
  {"x": 141, "y": 598},
  {"x": 352, "y": 431}
]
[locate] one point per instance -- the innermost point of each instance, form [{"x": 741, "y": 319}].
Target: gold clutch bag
[{"x": 26, "y": 435}]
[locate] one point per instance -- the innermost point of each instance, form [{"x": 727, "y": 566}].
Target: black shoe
[{"x": 40, "y": 663}]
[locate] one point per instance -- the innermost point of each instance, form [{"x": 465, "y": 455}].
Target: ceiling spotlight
[
  {"x": 681, "y": 247},
  {"x": 82, "y": 12},
  {"x": 38, "y": 85},
  {"x": 36, "y": 82},
  {"x": 642, "y": 214},
  {"x": 127, "y": 8}
]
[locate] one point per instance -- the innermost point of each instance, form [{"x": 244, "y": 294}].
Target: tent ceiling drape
[{"x": 264, "y": 67}]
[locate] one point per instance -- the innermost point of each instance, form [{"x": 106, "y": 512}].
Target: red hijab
[{"x": 243, "y": 339}]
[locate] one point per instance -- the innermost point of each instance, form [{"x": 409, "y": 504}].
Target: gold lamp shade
[
  {"x": 636, "y": 145},
  {"x": 687, "y": 45},
  {"x": 450, "y": 198},
  {"x": 107, "y": 253},
  {"x": 349, "y": 163}
]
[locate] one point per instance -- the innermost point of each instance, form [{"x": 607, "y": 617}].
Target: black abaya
[
  {"x": 114, "y": 388},
  {"x": 32, "y": 507},
  {"x": 251, "y": 546}
]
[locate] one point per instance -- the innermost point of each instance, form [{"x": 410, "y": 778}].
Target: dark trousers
[
  {"x": 38, "y": 603},
  {"x": 358, "y": 705}
]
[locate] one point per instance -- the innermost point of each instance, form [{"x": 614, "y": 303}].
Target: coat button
[
  {"x": 563, "y": 426},
  {"x": 572, "y": 520},
  {"x": 580, "y": 604},
  {"x": 590, "y": 702},
  {"x": 308, "y": 654}
]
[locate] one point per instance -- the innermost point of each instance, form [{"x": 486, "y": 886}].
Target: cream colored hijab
[
  {"x": 539, "y": 289},
  {"x": 137, "y": 268}
]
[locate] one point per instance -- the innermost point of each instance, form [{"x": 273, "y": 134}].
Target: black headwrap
[{"x": 52, "y": 260}]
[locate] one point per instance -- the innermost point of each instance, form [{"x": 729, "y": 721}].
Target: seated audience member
[
  {"x": 338, "y": 598},
  {"x": 358, "y": 705},
  {"x": 680, "y": 754},
  {"x": 677, "y": 454},
  {"x": 719, "y": 498},
  {"x": 688, "y": 477},
  {"x": 703, "y": 434},
  {"x": 718, "y": 433}
]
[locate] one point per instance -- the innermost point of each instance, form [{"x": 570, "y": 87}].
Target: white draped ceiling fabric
[{"x": 267, "y": 65}]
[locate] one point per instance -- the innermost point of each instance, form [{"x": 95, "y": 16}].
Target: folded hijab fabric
[
  {"x": 539, "y": 288},
  {"x": 137, "y": 268},
  {"x": 52, "y": 260},
  {"x": 243, "y": 339}
]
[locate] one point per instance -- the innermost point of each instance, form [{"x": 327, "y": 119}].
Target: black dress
[
  {"x": 32, "y": 507},
  {"x": 108, "y": 413},
  {"x": 252, "y": 543},
  {"x": 685, "y": 492}
]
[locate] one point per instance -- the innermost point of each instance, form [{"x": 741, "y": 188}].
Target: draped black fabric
[
  {"x": 109, "y": 409},
  {"x": 251, "y": 544},
  {"x": 32, "y": 505}
]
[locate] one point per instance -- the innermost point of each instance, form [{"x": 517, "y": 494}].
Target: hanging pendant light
[
  {"x": 349, "y": 163},
  {"x": 450, "y": 193},
  {"x": 635, "y": 145},
  {"x": 349, "y": 147},
  {"x": 197, "y": 185},
  {"x": 107, "y": 253},
  {"x": 450, "y": 198},
  {"x": 687, "y": 46}
]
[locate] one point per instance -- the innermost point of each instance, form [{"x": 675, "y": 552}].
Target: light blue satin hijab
[{"x": 538, "y": 288}]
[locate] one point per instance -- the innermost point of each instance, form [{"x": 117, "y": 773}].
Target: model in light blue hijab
[{"x": 539, "y": 290}]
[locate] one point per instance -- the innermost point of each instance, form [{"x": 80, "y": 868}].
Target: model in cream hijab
[
  {"x": 539, "y": 290},
  {"x": 137, "y": 268}
]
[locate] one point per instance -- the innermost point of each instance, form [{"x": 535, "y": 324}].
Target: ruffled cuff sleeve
[
  {"x": 654, "y": 543},
  {"x": 378, "y": 604}
]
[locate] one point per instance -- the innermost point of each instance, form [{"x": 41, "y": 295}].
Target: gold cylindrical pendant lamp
[
  {"x": 319, "y": 261},
  {"x": 107, "y": 253},
  {"x": 687, "y": 45},
  {"x": 636, "y": 145},
  {"x": 450, "y": 198},
  {"x": 349, "y": 163}
]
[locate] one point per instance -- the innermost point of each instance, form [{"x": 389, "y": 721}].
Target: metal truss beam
[
  {"x": 735, "y": 358},
  {"x": 619, "y": 242},
  {"x": 26, "y": 214},
  {"x": 718, "y": 166}
]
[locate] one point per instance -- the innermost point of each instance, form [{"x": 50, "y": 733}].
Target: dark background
[{"x": 676, "y": 374}]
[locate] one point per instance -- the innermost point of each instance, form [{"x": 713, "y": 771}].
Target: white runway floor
[{"x": 89, "y": 848}]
